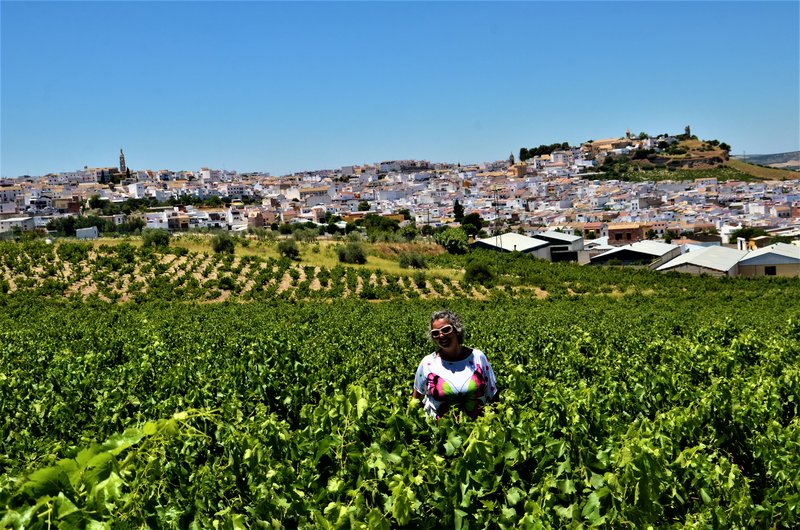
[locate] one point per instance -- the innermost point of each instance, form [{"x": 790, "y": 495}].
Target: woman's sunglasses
[{"x": 444, "y": 330}]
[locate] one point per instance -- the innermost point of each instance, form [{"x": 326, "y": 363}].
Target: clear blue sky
[{"x": 284, "y": 87}]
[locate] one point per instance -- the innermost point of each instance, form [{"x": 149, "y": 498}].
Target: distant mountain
[{"x": 781, "y": 160}]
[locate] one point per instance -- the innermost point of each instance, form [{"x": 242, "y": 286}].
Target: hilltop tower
[
  {"x": 122, "y": 166},
  {"x": 688, "y": 131}
]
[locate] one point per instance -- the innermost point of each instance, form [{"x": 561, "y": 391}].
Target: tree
[
  {"x": 352, "y": 252},
  {"x": 223, "y": 244},
  {"x": 747, "y": 233},
  {"x": 414, "y": 260},
  {"x": 650, "y": 234},
  {"x": 363, "y": 206},
  {"x": 480, "y": 271},
  {"x": 409, "y": 232},
  {"x": 454, "y": 240},
  {"x": 96, "y": 203},
  {"x": 374, "y": 223},
  {"x": 670, "y": 235},
  {"x": 288, "y": 248},
  {"x": 472, "y": 224},
  {"x": 725, "y": 147},
  {"x": 458, "y": 211},
  {"x": 157, "y": 238},
  {"x": 643, "y": 136}
]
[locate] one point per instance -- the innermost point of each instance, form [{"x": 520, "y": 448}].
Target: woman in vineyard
[{"x": 454, "y": 376}]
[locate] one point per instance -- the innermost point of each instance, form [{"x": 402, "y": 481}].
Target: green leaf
[
  {"x": 150, "y": 428},
  {"x": 362, "y": 406},
  {"x": 237, "y": 522},
  {"x": 119, "y": 442},
  {"x": 376, "y": 520},
  {"x": 334, "y": 484},
  {"x": 47, "y": 481},
  {"x": 459, "y": 519},
  {"x": 322, "y": 449},
  {"x": 706, "y": 498},
  {"x": 64, "y": 507},
  {"x": 508, "y": 514},
  {"x": 453, "y": 442},
  {"x": 567, "y": 487},
  {"x": 513, "y": 496},
  {"x": 510, "y": 452},
  {"x": 99, "y": 468},
  {"x": 565, "y": 513},
  {"x": 591, "y": 510},
  {"x": 105, "y": 493}
]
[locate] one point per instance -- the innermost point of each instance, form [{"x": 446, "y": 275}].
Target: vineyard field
[
  {"x": 636, "y": 411},
  {"x": 124, "y": 273},
  {"x": 144, "y": 388}
]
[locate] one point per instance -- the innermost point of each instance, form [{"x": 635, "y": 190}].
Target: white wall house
[
  {"x": 22, "y": 223},
  {"x": 87, "y": 233}
]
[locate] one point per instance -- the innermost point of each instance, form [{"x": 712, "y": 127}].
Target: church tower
[{"x": 122, "y": 166}]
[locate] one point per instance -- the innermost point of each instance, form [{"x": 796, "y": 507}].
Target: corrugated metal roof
[
  {"x": 512, "y": 242},
  {"x": 569, "y": 238},
  {"x": 652, "y": 248},
  {"x": 656, "y": 248},
  {"x": 714, "y": 258},
  {"x": 781, "y": 250}
]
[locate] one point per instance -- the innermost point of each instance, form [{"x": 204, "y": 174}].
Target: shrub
[
  {"x": 352, "y": 252},
  {"x": 227, "y": 283},
  {"x": 74, "y": 252},
  {"x": 480, "y": 271},
  {"x": 223, "y": 244},
  {"x": 413, "y": 260},
  {"x": 419, "y": 279},
  {"x": 454, "y": 240},
  {"x": 289, "y": 249},
  {"x": 158, "y": 238}
]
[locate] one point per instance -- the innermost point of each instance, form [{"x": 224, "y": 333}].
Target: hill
[
  {"x": 761, "y": 172},
  {"x": 790, "y": 160},
  {"x": 690, "y": 159}
]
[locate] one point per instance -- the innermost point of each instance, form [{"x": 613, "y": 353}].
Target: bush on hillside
[
  {"x": 454, "y": 240},
  {"x": 223, "y": 244},
  {"x": 413, "y": 260},
  {"x": 158, "y": 238},
  {"x": 352, "y": 252},
  {"x": 289, "y": 249},
  {"x": 480, "y": 271}
]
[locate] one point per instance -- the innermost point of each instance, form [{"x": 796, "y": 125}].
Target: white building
[{"x": 25, "y": 224}]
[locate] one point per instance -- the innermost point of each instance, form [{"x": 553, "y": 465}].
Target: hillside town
[{"x": 559, "y": 192}]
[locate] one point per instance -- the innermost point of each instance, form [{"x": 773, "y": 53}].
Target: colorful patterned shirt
[{"x": 467, "y": 384}]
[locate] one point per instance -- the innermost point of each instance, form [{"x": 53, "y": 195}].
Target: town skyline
[
  {"x": 581, "y": 188},
  {"x": 286, "y": 87}
]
